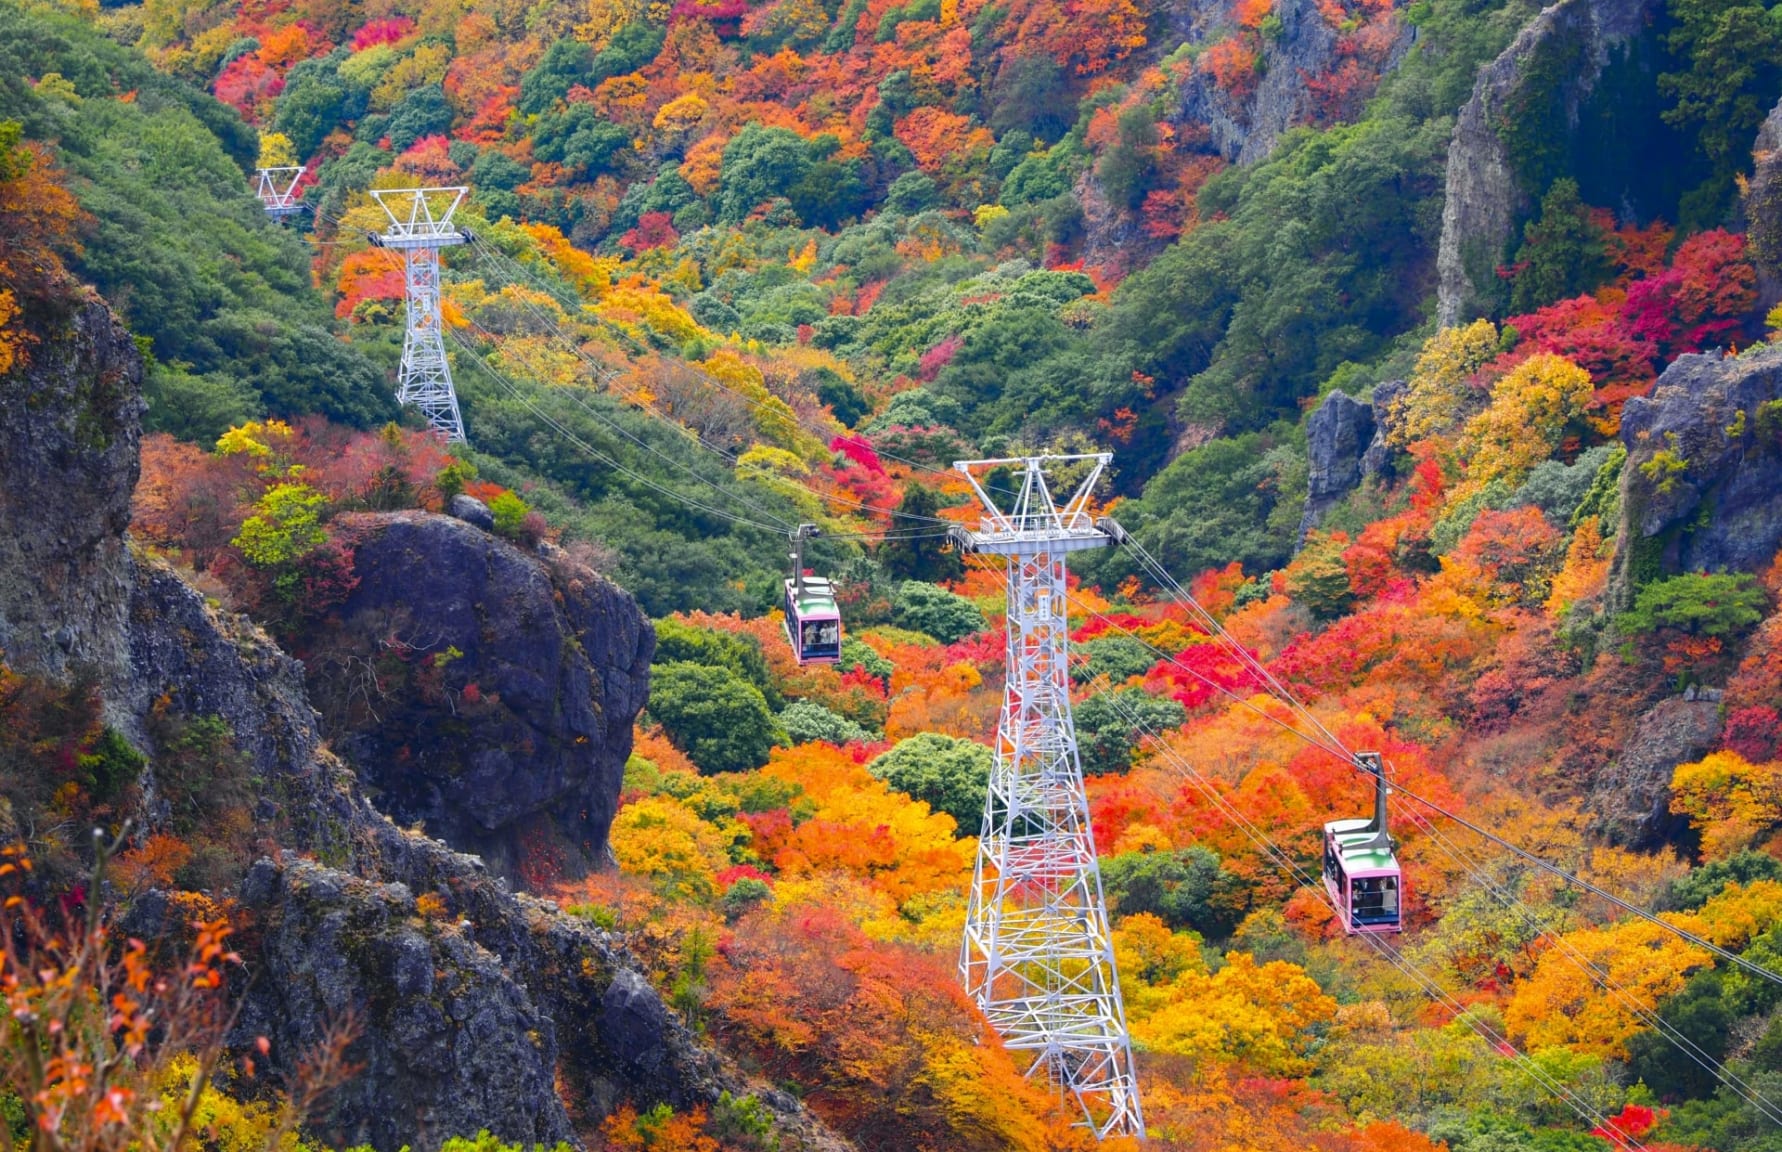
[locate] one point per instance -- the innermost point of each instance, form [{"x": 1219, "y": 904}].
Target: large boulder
[
  {"x": 1702, "y": 486},
  {"x": 1763, "y": 209},
  {"x": 483, "y": 691}
]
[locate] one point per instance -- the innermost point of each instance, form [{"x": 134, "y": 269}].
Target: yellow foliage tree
[
  {"x": 1260, "y": 1015},
  {"x": 1559, "y": 1006},
  {"x": 276, "y": 150},
  {"x": 662, "y": 838},
  {"x": 680, "y": 115},
  {"x": 1439, "y": 390},
  {"x": 1729, "y": 800},
  {"x": 1529, "y": 411}
]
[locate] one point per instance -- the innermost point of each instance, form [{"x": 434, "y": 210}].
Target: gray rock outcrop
[
  {"x": 1567, "y": 44},
  {"x": 1631, "y": 797},
  {"x": 68, "y": 464},
  {"x": 1713, "y": 502},
  {"x": 1338, "y": 434},
  {"x": 507, "y": 690},
  {"x": 1763, "y": 210}
]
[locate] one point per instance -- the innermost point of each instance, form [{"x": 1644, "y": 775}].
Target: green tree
[
  {"x": 1116, "y": 656},
  {"x": 934, "y": 611},
  {"x": 1734, "y": 54},
  {"x": 509, "y": 512},
  {"x": 423, "y": 112},
  {"x": 1106, "y": 732},
  {"x": 923, "y": 558},
  {"x": 286, "y": 525},
  {"x": 950, "y": 774},
  {"x": 759, "y": 163},
  {"x": 679, "y": 642},
  {"x": 1185, "y": 888},
  {"x": 566, "y": 63},
  {"x": 720, "y": 720},
  {"x": 1318, "y": 580},
  {"x": 1128, "y": 168},
  {"x": 576, "y": 137},
  {"x": 806, "y": 721},
  {"x": 1562, "y": 254},
  {"x": 1717, "y": 604}
]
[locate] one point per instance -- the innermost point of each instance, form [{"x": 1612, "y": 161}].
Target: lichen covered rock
[{"x": 1702, "y": 486}]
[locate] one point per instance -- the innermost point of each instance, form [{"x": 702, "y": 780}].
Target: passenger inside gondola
[
  {"x": 821, "y": 636},
  {"x": 1374, "y": 900}
]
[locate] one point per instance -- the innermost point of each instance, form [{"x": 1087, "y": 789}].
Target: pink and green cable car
[
  {"x": 813, "y": 619},
  {"x": 1361, "y": 874}
]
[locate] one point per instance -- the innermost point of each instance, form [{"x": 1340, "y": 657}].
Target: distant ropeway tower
[
  {"x": 277, "y": 190},
  {"x": 1038, "y": 957},
  {"x": 420, "y": 225}
]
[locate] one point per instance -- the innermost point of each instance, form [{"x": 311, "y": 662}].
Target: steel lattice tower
[
  {"x": 1037, "y": 956},
  {"x": 420, "y": 225},
  {"x": 277, "y": 190}
]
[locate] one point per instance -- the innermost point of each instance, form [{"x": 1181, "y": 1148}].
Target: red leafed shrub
[
  {"x": 387, "y": 31},
  {"x": 858, "y": 449},
  {"x": 939, "y": 357},
  {"x": 1700, "y": 299},
  {"x": 1754, "y": 733},
  {"x": 247, "y": 83},
  {"x": 654, "y": 230}
]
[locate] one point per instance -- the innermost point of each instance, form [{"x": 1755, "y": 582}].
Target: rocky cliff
[
  {"x": 1553, "y": 64},
  {"x": 1702, "y": 486},
  {"x": 1763, "y": 209},
  {"x": 482, "y": 691},
  {"x": 68, "y": 464},
  {"x": 474, "y": 1008}
]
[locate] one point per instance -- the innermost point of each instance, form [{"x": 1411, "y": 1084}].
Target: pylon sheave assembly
[
  {"x": 1037, "y": 957},
  {"x": 276, "y": 189},
  {"x": 420, "y": 225}
]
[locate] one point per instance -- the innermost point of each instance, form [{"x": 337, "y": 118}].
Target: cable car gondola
[
  {"x": 813, "y": 621},
  {"x": 1360, "y": 872}
]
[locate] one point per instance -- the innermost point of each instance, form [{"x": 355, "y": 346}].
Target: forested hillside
[{"x": 1434, "y": 346}]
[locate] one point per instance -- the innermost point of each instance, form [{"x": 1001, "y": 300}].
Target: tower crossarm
[
  {"x": 276, "y": 189},
  {"x": 420, "y": 217},
  {"x": 1033, "y": 517}
]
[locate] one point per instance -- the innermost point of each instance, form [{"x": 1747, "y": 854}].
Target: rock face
[
  {"x": 70, "y": 425},
  {"x": 1763, "y": 209},
  {"x": 1631, "y": 798},
  {"x": 1346, "y": 444},
  {"x": 1245, "y": 129},
  {"x": 504, "y": 691},
  {"x": 1702, "y": 486},
  {"x": 470, "y": 1006},
  {"x": 1568, "y": 44},
  {"x": 1337, "y": 435}
]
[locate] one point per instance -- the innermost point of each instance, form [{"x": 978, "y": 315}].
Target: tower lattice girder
[{"x": 1037, "y": 955}]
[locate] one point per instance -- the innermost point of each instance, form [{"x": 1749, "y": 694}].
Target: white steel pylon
[
  {"x": 420, "y": 225},
  {"x": 277, "y": 190},
  {"x": 1037, "y": 956}
]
